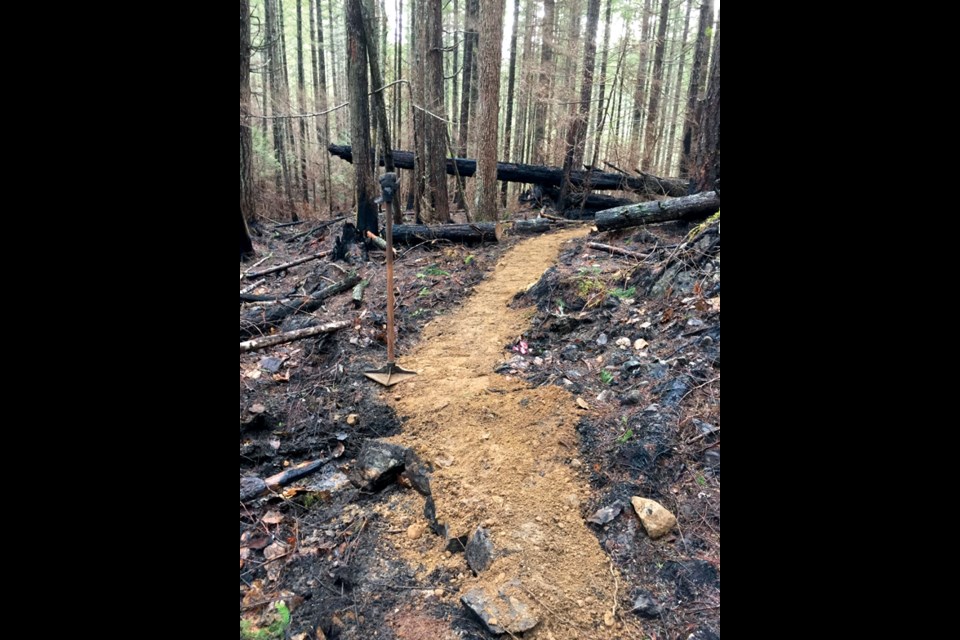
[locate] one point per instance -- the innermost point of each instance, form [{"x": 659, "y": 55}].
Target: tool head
[{"x": 389, "y": 375}]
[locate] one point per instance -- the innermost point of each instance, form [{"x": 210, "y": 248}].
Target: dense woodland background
[{"x": 618, "y": 85}]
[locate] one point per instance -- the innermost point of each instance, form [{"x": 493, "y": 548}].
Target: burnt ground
[{"x": 639, "y": 349}]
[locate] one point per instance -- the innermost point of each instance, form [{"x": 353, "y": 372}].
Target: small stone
[
  {"x": 632, "y": 397},
  {"x": 479, "y": 550},
  {"x": 377, "y": 465},
  {"x": 538, "y": 361},
  {"x": 656, "y": 519},
  {"x": 631, "y": 365},
  {"x": 695, "y": 322},
  {"x": 602, "y": 339},
  {"x": 608, "y": 618},
  {"x": 438, "y": 592},
  {"x": 651, "y": 409},
  {"x": 575, "y": 463},
  {"x": 352, "y": 419},
  {"x": 414, "y": 531},
  {"x": 640, "y": 344},
  {"x": 623, "y": 343},
  {"x": 572, "y": 500},
  {"x": 504, "y": 612},
  {"x": 257, "y": 408},
  {"x": 605, "y": 395},
  {"x": 607, "y": 514},
  {"x": 645, "y": 605},
  {"x": 271, "y": 364}
]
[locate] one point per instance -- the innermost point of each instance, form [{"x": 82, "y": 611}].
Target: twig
[
  {"x": 290, "y": 336},
  {"x": 251, "y": 287},
  {"x": 255, "y": 264},
  {"x": 286, "y": 265}
]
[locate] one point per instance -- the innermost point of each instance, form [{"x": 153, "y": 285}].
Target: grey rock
[
  {"x": 271, "y": 364},
  {"x": 712, "y": 459},
  {"x": 695, "y": 322},
  {"x": 418, "y": 472},
  {"x": 501, "y": 613},
  {"x": 605, "y": 395},
  {"x": 378, "y": 465},
  {"x": 569, "y": 353},
  {"x": 631, "y": 398},
  {"x": 672, "y": 392},
  {"x": 602, "y": 339},
  {"x": 652, "y": 409},
  {"x": 607, "y": 514},
  {"x": 331, "y": 479},
  {"x": 704, "y": 428},
  {"x": 646, "y": 606},
  {"x": 631, "y": 365},
  {"x": 479, "y": 551}
]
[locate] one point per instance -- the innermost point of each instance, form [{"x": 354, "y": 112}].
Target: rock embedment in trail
[{"x": 504, "y": 611}]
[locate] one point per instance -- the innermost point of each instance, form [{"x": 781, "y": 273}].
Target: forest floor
[{"x": 555, "y": 382}]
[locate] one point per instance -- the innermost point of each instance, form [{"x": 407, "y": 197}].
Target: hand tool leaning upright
[{"x": 391, "y": 374}]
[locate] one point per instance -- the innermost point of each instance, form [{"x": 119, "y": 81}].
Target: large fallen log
[
  {"x": 537, "y": 174},
  {"x": 289, "y": 336},
  {"x": 259, "y": 322},
  {"x": 470, "y": 233},
  {"x": 700, "y": 204}
]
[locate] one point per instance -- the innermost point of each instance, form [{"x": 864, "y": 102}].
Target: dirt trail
[{"x": 505, "y": 458}]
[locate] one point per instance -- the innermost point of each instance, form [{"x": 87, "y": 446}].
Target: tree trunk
[
  {"x": 638, "y": 94},
  {"x": 491, "y": 36},
  {"x": 455, "y": 101},
  {"x": 379, "y": 103},
  {"x": 320, "y": 102},
  {"x": 526, "y": 77},
  {"x": 538, "y": 174},
  {"x": 246, "y": 134},
  {"x": 434, "y": 206},
  {"x": 698, "y": 205},
  {"x": 601, "y": 110},
  {"x": 470, "y": 38},
  {"x": 302, "y": 103},
  {"x": 508, "y": 125},
  {"x": 672, "y": 138},
  {"x": 360, "y": 119},
  {"x": 653, "y": 111},
  {"x": 334, "y": 70},
  {"x": 544, "y": 87},
  {"x": 576, "y": 134},
  {"x": 707, "y": 161},
  {"x": 294, "y": 175},
  {"x": 276, "y": 100},
  {"x": 468, "y": 233},
  {"x": 246, "y": 246},
  {"x": 691, "y": 120}
]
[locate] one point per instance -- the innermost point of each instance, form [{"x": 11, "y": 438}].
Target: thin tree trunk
[
  {"x": 360, "y": 120},
  {"x": 455, "y": 103},
  {"x": 544, "y": 88},
  {"x": 525, "y": 83},
  {"x": 577, "y": 131},
  {"x": 510, "y": 83},
  {"x": 246, "y": 137},
  {"x": 672, "y": 139},
  {"x": 379, "y": 103},
  {"x": 320, "y": 98},
  {"x": 288, "y": 124},
  {"x": 708, "y": 155},
  {"x": 601, "y": 111},
  {"x": 334, "y": 70},
  {"x": 491, "y": 35},
  {"x": 469, "y": 51},
  {"x": 638, "y": 95},
  {"x": 302, "y": 103},
  {"x": 666, "y": 87},
  {"x": 653, "y": 111},
  {"x": 277, "y": 85},
  {"x": 691, "y": 120}
]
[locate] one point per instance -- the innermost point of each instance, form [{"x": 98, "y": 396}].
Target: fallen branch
[
  {"x": 380, "y": 242},
  {"x": 256, "y": 486},
  {"x": 261, "y": 321},
  {"x": 322, "y": 225},
  {"x": 251, "y": 287},
  {"x": 281, "y": 225},
  {"x": 358, "y": 293},
  {"x": 617, "y": 251},
  {"x": 255, "y": 264},
  {"x": 286, "y": 265},
  {"x": 271, "y": 341},
  {"x": 698, "y": 205}
]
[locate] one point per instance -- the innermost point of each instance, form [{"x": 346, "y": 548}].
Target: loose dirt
[{"x": 504, "y": 455}]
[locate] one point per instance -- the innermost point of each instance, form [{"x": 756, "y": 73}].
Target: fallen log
[
  {"x": 538, "y": 174},
  {"x": 289, "y": 336},
  {"x": 700, "y": 204},
  {"x": 617, "y": 251},
  {"x": 592, "y": 203},
  {"x": 470, "y": 233},
  {"x": 280, "y": 267},
  {"x": 259, "y": 322},
  {"x": 380, "y": 242}
]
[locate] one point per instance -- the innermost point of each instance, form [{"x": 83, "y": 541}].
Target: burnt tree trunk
[
  {"x": 508, "y": 125},
  {"x": 691, "y": 119},
  {"x": 491, "y": 36},
  {"x": 656, "y": 88},
  {"x": 698, "y": 205},
  {"x": 537, "y": 174},
  {"x": 360, "y": 119},
  {"x": 707, "y": 161}
]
